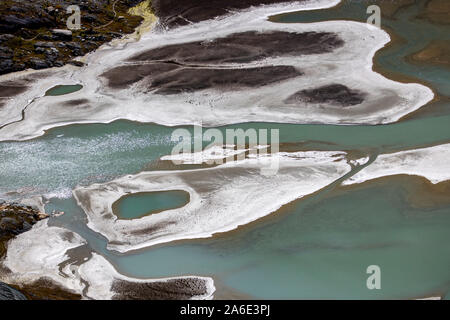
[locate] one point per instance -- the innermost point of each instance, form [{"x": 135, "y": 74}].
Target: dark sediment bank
[
  {"x": 124, "y": 76},
  {"x": 33, "y": 34},
  {"x": 10, "y": 89},
  {"x": 76, "y": 102},
  {"x": 194, "y": 66},
  {"x": 169, "y": 79},
  {"x": 245, "y": 47},
  {"x": 46, "y": 289},
  {"x": 174, "y": 289},
  {"x": 334, "y": 94},
  {"x": 191, "y": 79},
  {"x": 176, "y": 13},
  {"x": 13, "y": 88}
]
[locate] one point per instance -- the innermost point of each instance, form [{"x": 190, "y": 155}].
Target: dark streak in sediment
[
  {"x": 244, "y": 47},
  {"x": 333, "y": 94},
  {"x": 23, "y": 115}
]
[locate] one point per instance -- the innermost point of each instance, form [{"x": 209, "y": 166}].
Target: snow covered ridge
[
  {"x": 385, "y": 100},
  {"x": 221, "y": 198},
  {"x": 431, "y": 163},
  {"x": 43, "y": 252}
]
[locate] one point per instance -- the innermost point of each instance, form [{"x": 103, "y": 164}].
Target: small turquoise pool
[
  {"x": 141, "y": 204},
  {"x": 63, "y": 89}
]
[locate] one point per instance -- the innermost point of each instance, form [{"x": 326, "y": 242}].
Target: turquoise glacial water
[
  {"x": 84, "y": 154},
  {"x": 319, "y": 247},
  {"x": 137, "y": 205},
  {"x": 417, "y": 34}
]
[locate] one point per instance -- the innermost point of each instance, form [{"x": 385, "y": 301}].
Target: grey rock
[
  {"x": 51, "y": 54},
  {"x": 6, "y": 53},
  {"x": 42, "y": 44},
  {"x": 19, "y": 66},
  {"x": 6, "y": 37},
  {"x": 36, "y": 63},
  {"x": 17, "y": 9},
  {"x": 12, "y": 23},
  {"x": 8, "y": 293},
  {"x": 39, "y": 50},
  {"x": 75, "y": 48},
  {"x": 6, "y": 66},
  {"x": 73, "y": 45},
  {"x": 61, "y": 34}
]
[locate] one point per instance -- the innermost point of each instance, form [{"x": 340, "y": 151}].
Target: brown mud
[{"x": 173, "y": 289}]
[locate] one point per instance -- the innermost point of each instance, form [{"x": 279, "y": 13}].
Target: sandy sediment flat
[
  {"x": 431, "y": 163},
  {"x": 47, "y": 253},
  {"x": 221, "y": 198},
  {"x": 313, "y": 93}
]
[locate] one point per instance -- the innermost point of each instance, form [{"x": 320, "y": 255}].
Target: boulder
[
  {"x": 61, "y": 34},
  {"x": 42, "y": 44},
  {"x": 5, "y": 37},
  {"x": 6, "y": 53},
  {"x": 36, "y": 63},
  {"x": 6, "y": 66}
]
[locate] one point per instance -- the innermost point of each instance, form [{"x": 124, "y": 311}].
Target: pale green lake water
[
  {"x": 63, "y": 89},
  {"x": 319, "y": 247},
  {"x": 138, "y": 205}
]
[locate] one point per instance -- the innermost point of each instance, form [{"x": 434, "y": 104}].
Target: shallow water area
[
  {"x": 141, "y": 204},
  {"x": 63, "y": 89},
  {"x": 415, "y": 33}
]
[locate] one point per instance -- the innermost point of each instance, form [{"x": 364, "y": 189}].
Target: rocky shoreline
[
  {"x": 54, "y": 263},
  {"x": 33, "y": 34},
  {"x": 15, "y": 219}
]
